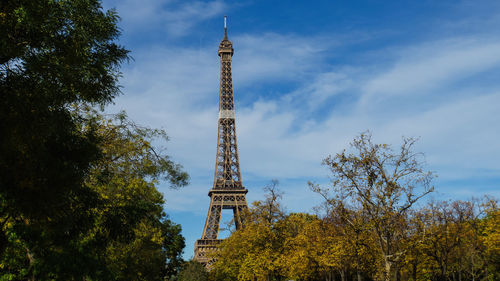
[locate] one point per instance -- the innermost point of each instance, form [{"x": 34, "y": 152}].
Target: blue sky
[{"x": 308, "y": 77}]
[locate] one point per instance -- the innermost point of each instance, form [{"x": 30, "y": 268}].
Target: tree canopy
[
  {"x": 78, "y": 195},
  {"x": 368, "y": 228},
  {"x": 383, "y": 184},
  {"x": 53, "y": 54}
]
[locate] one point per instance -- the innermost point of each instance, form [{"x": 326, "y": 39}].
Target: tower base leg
[{"x": 203, "y": 248}]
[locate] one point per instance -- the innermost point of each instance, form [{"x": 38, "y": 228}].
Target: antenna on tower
[{"x": 225, "y": 27}]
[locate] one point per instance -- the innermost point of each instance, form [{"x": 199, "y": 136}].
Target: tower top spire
[
  {"x": 225, "y": 27},
  {"x": 225, "y": 46}
]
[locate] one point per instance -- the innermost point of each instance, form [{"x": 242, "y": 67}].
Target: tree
[
  {"x": 385, "y": 184},
  {"x": 491, "y": 240},
  {"x": 332, "y": 251},
  {"x": 269, "y": 210},
  {"x": 452, "y": 233},
  {"x": 445, "y": 233},
  {"x": 131, "y": 233},
  {"x": 252, "y": 253},
  {"x": 52, "y": 54},
  {"x": 193, "y": 271},
  {"x": 415, "y": 261},
  {"x": 77, "y": 190},
  {"x": 299, "y": 258},
  {"x": 130, "y": 237},
  {"x": 354, "y": 238}
]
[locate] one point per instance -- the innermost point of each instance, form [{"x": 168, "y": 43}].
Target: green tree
[
  {"x": 252, "y": 253},
  {"x": 299, "y": 258},
  {"x": 415, "y": 262},
  {"x": 77, "y": 190},
  {"x": 130, "y": 237},
  {"x": 354, "y": 238},
  {"x": 491, "y": 240},
  {"x": 131, "y": 233},
  {"x": 452, "y": 240},
  {"x": 52, "y": 54},
  {"x": 193, "y": 271},
  {"x": 384, "y": 184}
]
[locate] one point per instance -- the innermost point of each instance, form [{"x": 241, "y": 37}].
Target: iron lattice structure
[{"x": 228, "y": 191}]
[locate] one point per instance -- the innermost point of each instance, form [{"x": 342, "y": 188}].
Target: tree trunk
[
  {"x": 398, "y": 274},
  {"x": 358, "y": 273},
  {"x": 445, "y": 270},
  {"x": 31, "y": 260},
  {"x": 387, "y": 273},
  {"x": 414, "y": 271},
  {"x": 342, "y": 275},
  {"x": 330, "y": 275}
]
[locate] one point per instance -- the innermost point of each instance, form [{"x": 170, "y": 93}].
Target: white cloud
[
  {"x": 272, "y": 57},
  {"x": 420, "y": 70},
  {"x": 177, "y": 88},
  {"x": 458, "y": 134},
  {"x": 172, "y": 16},
  {"x": 180, "y": 20},
  {"x": 324, "y": 86},
  {"x": 287, "y": 135}
]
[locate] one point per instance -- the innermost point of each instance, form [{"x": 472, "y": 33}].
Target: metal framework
[{"x": 228, "y": 191}]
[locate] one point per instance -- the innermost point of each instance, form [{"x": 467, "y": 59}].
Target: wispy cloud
[
  {"x": 323, "y": 86},
  {"x": 173, "y": 17},
  {"x": 422, "y": 90},
  {"x": 276, "y": 57},
  {"x": 421, "y": 70},
  {"x": 186, "y": 16}
]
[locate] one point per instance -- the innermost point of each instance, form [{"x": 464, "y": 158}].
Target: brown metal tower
[{"x": 228, "y": 191}]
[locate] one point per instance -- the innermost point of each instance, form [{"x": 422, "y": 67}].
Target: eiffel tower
[{"x": 228, "y": 191}]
